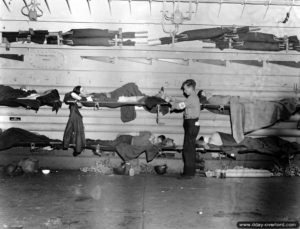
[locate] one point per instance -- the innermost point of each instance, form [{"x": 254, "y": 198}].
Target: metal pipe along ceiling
[{"x": 240, "y": 2}]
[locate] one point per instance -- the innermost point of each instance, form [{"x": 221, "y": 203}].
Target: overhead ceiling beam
[
  {"x": 238, "y": 2},
  {"x": 5, "y": 3}
]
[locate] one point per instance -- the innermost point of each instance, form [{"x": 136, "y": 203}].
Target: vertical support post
[{"x": 121, "y": 36}]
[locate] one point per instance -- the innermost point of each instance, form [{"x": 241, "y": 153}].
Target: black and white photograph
[{"x": 149, "y": 114}]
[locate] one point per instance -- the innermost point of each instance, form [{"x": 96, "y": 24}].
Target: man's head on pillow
[{"x": 215, "y": 139}]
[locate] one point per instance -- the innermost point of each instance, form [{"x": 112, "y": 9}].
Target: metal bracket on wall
[
  {"x": 175, "y": 61},
  {"x": 212, "y": 62},
  {"x": 257, "y": 63},
  {"x": 142, "y": 60},
  {"x": 105, "y": 59},
  {"x": 292, "y": 64}
]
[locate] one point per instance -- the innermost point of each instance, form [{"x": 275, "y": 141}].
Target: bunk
[
  {"x": 248, "y": 115},
  {"x": 99, "y": 149},
  {"x": 29, "y": 99},
  {"x": 114, "y": 104},
  {"x": 272, "y": 146},
  {"x": 17, "y": 137}
]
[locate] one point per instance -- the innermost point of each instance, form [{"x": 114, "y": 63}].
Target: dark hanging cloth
[
  {"x": 129, "y": 89},
  {"x": 152, "y": 102},
  {"x": 52, "y": 99},
  {"x": 74, "y": 131},
  {"x": 16, "y": 136},
  {"x": 221, "y": 44},
  {"x": 128, "y": 113}
]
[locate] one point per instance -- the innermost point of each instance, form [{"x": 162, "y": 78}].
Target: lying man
[
  {"x": 129, "y": 147},
  {"x": 270, "y": 145}
]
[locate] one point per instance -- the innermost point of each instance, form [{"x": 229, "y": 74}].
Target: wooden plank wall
[{"x": 269, "y": 82}]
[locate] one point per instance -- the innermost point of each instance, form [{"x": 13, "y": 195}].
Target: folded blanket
[{"x": 249, "y": 115}]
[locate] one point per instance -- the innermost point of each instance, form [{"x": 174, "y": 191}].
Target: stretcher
[
  {"x": 98, "y": 104},
  {"x": 34, "y": 145},
  {"x": 220, "y": 108},
  {"x": 98, "y": 149}
]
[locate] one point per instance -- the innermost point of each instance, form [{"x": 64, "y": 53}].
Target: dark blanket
[
  {"x": 16, "y": 97},
  {"x": 96, "y": 37},
  {"x": 9, "y": 93},
  {"x": 16, "y": 136},
  {"x": 129, "y": 147},
  {"x": 151, "y": 103},
  {"x": 36, "y": 36},
  {"x": 50, "y": 98},
  {"x": 203, "y": 34},
  {"x": 271, "y": 145},
  {"x": 130, "y": 89}
]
